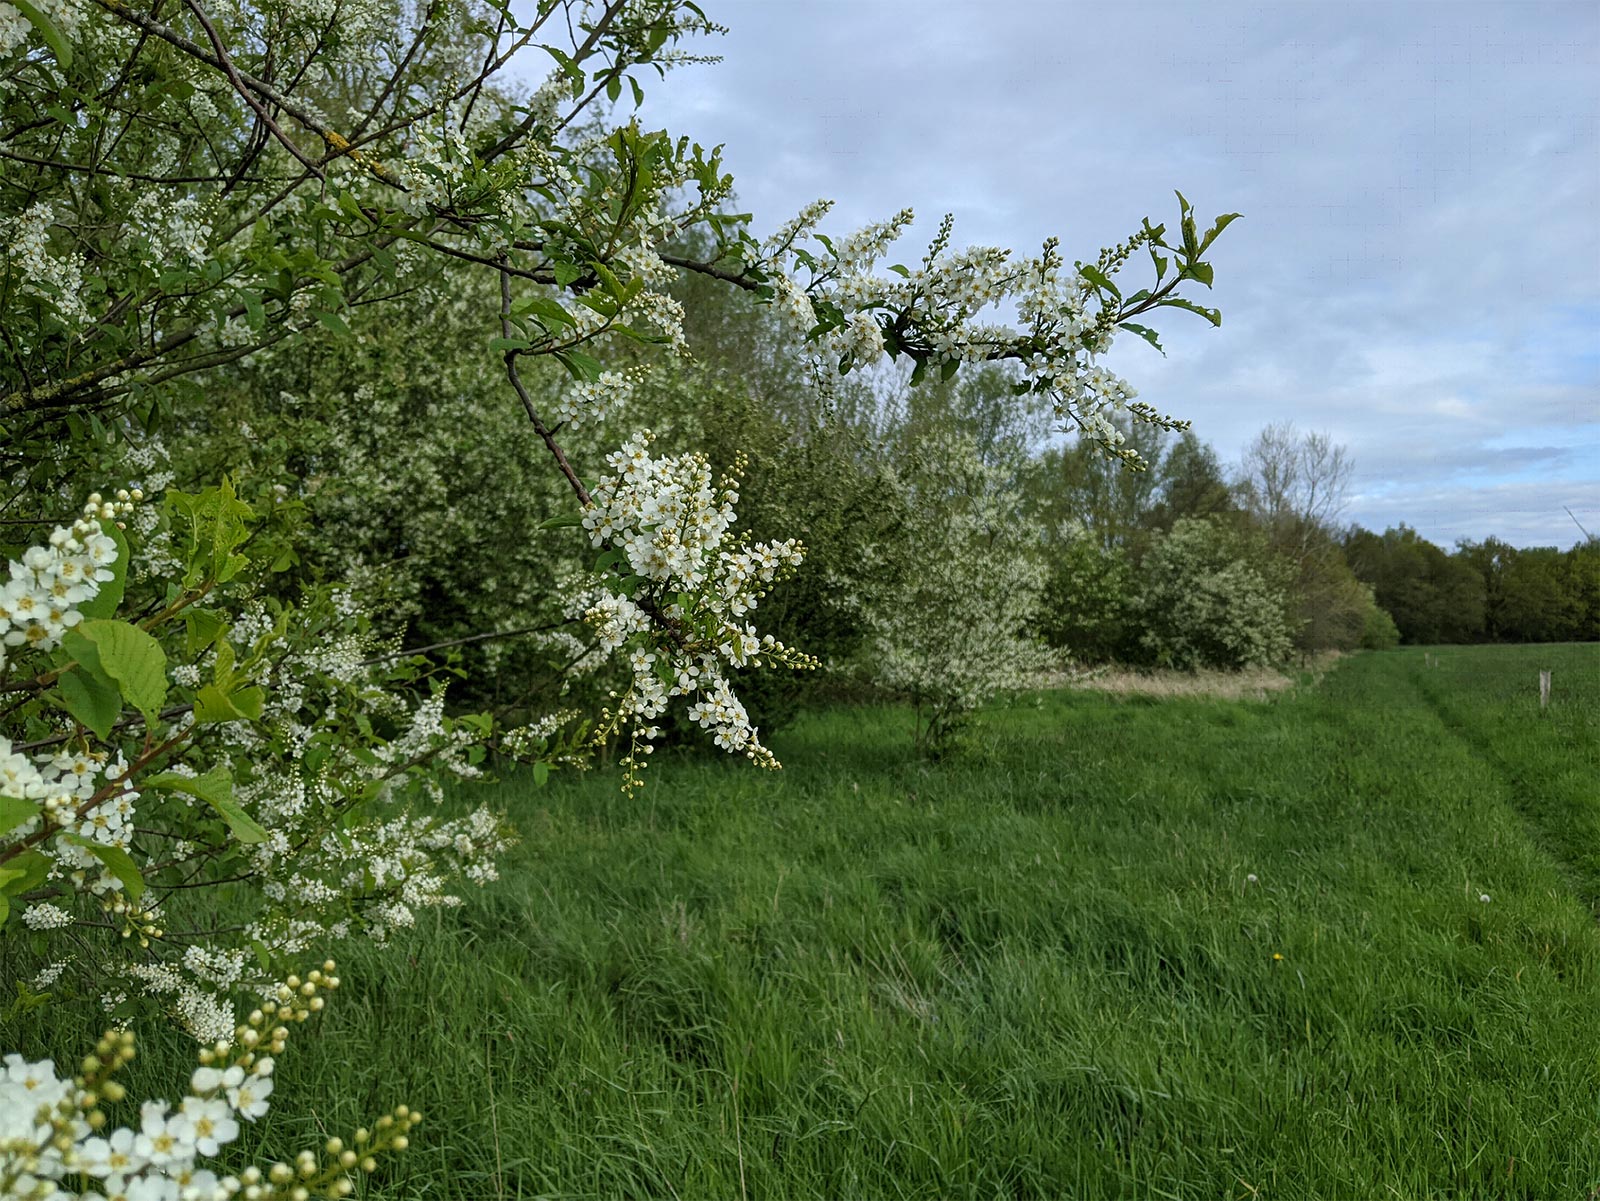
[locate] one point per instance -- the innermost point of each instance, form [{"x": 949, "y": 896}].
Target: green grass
[{"x": 1039, "y": 970}]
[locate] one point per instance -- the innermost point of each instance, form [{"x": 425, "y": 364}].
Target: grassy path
[{"x": 1044, "y": 970}]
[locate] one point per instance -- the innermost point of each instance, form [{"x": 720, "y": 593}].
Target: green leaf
[
  {"x": 1145, "y": 332},
  {"x": 116, "y": 861},
  {"x": 215, "y": 788},
  {"x": 249, "y": 701},
  {"x": 1099, "y": 279},
  {"x": 93, "y": 700},
  {"x": 545, "y": 309},
  {"x": 501, "y": 344},
  {"x": 133, "y": 659},
  {"x": 51, "y": 35},
  {"x": 541, "y": 773},
  {"x": 580, "y": 365},
  {"x": 1200, "y": 271},
  {"x": 1177, "y": 302},
  {"x": 25, "y": 872},
  {"x": 332, "y": 322},
  {"x": 202, "y": 627},
  {"x": 104, "y": 603},
  {"x": 255, "y": 312},
  {"x": 1217, "y": 227},
  {"x": 214, "y": 704},
  {"x": 608, "y": 278},
  {"x": 561, "y": 522},
  {"x": 217, "y": 521},
  {"x": 14, "y": 811}
]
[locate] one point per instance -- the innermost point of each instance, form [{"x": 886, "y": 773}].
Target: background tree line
[{"x": 1040, "y": 551}]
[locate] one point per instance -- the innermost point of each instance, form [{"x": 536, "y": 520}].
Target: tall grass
[{"x": 1130, "y": 947}]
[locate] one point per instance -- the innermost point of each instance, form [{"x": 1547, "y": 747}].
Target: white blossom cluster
[
  {"x": 832, "y": 294},
  {"x": 586, "y": 401},
  {"x": 950, "y": 632},
  {"x": 56, "y": 1143},
  {"x": 14, "y": 27},
  {"x": 39, "y": 603},
  {"x": 175, "y": 227},
  {"x": 668, "y": 526},
  {"x": 345, "y": 849},
  {"x": 54, "y": 277}
]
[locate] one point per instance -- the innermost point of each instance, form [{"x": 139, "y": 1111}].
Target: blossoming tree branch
[{"x": 190, "y": 186}]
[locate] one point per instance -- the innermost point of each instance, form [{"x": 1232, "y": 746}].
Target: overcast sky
[{"x": 1418, "y": 267}]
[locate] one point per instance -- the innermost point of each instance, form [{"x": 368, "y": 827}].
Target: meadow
[{"x": 1339, "y": 941}]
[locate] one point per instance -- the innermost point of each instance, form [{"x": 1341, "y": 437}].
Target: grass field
[{"x": 1132, "y": 947}]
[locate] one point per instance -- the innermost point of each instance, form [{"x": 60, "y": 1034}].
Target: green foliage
[
  {"x": 1378, "y": 631},
  {"x": 1089, "y": 608},
  {"x": 1431, "y": 596},
  {"x": 1212, "y": 596},
  {"x": 1039, "y": 971}
]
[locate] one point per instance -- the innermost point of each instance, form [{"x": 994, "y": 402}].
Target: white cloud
[{"x": 1418, "y": 270}]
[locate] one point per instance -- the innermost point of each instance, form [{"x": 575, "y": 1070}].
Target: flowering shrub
[
  {"x": 684, "y": 588},
  {"x": 219, "y": 739},
  {"x": 953, "y": 628},
  {"x": 179, "y": 724},
  {"x": 56, "y": 1141},
  {"x": 1210, "y": 597}
]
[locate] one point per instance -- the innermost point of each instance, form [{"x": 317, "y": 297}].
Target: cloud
[{"x": 1418, "y": 270}]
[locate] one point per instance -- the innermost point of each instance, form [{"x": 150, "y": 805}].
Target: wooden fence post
[{"x": 1544, "y": 690}]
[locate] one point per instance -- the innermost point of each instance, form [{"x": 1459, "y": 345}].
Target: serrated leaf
[
  {"x": 1099, "y": 279},
  {"x": 215, "y": 788},
  {"x": 249, "y": 701},
  {"x": 133, "y": 659},
  {"x": 116, "y": 861},
  {"x": 214, "y": 704},
  {"x": 545, "y": 309},
  {"x": 31, "y": 869},
  {"x": 201, "y": 627},
  {"x": 1145, "y": 332},
  {"x": 14, "y": 812},
  {"x": 1177, "y": 302},
  {"x": 94, "y": 701},
  {"x": 1217, "y": 227},
  {"x": 580, "y": 365}
]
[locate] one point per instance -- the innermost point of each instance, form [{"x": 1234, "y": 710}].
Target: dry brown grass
[{"x": 1257, "y": 683}]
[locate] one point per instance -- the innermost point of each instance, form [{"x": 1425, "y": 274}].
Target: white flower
[
  {"x": 107, "y": 1156},
  {"x": 250, "y": 1098},
  {"x": 210, "y": 1123}
]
